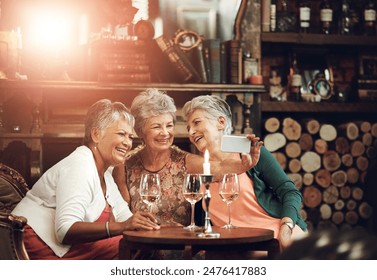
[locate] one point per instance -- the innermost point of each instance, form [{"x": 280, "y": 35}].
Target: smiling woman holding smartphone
[{"x": 267, "y": 198}]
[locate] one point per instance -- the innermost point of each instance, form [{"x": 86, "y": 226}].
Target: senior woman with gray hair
[
  {"x": 268, "y": 198},
  {"x": 75, "y": 210},
  {"x": 154, "y": 113}
]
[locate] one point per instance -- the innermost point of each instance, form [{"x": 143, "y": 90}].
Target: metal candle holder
[{"x": 207, "y": 231}]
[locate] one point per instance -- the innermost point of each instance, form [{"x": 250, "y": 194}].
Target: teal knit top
[{"x": 275, "y": 192}]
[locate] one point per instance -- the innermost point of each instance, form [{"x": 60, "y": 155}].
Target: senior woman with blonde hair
[
  {"x": 268, "y": 198},
  {"x": 75, "y": 210}
]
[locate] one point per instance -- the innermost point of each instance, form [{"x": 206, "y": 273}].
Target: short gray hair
[
  {"x": 151, "y": 103},
  {"x": 103, "y": 114},
  {"x": 213, "y": 105}
]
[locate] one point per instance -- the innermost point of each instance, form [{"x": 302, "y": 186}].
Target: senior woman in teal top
[{"x": 267, "y": 198}]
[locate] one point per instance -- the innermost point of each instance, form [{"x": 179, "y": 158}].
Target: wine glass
[
  {"x": 150, "y": 189},
  {"x": 229, "y": 191},
  {"x": 192, "y": 193}
]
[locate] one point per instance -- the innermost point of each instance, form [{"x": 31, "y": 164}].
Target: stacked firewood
[{"x": 328, "y": 163}]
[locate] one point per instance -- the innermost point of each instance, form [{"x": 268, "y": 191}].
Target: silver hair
[
  {"x": 151, "y": 103},
  {"x": 213, "y": 105},
  {"x": 103, "y": 114}
]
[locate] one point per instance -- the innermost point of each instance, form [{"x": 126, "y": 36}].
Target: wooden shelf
[
  {"x": 98, "y": 86},
  {"x": 320, "y": 107},
  {"x": 318, "y": 39}
]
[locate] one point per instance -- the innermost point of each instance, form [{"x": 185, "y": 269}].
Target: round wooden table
[{"x": 177, "y": 238}]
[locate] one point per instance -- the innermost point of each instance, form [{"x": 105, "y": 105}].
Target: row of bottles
[
  {"x": 319, "y": 87},
  {"x": 346, "y": 17},
  {"x": 352, "y": 19}
]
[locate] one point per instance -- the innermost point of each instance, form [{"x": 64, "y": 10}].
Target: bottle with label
[
  {"x": 273, "y": 15},
  {"x": 345, "y": 18},
  {"x": 369, "y": 15},
  {"x": 304, "y": 16},
  {"x": 295, "y": 81},
  {"x": 326, "y": 16}
]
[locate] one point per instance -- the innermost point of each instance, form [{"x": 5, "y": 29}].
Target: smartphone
[{"x": 235, "y": 144}]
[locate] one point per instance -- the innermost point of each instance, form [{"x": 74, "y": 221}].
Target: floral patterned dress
[{"x": 172, "y": 206}]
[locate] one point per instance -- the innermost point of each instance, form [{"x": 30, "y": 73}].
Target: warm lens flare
[{"x": 49, "y": 31}]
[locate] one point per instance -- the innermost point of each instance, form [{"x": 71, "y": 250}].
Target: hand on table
[{"x": 142, "y": 220}]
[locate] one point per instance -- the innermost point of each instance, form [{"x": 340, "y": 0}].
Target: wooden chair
[
  {"x": 11, "y": 237},
  {"x": 13, "y": 188}
]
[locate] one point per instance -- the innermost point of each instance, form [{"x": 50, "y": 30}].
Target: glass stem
[
  {"x": 192, "y": 214},
  {"x": 229, "y": 214}
]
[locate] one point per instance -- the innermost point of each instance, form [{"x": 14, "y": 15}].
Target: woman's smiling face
[
  {"x": 204, "y": 131},
  {"x": 158, "y": 132},
  {"x": 115, "y": 141}
]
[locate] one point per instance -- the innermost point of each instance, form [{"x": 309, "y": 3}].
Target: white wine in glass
[
  {"x": 192, "y": 193},
  {"x": 150, "y": 189},
  {"x": 229, "y": 191}
]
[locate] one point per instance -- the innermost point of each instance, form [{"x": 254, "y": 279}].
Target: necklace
[{"x": 153, "y": 171}]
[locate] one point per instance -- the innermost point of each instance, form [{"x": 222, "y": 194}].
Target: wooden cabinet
[{"x": 46, "y": 117}]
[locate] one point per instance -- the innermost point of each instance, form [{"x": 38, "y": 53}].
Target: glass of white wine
[
  {"x": 192, "y": 193},
  {"x": 150, "y": 189},
  {"x": 229, "y": 191}
]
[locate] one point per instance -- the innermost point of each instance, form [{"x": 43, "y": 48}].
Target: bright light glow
[
  {"x": 206, "y": 164},
  {"x": 206, "y": 156},
  {"x": 50, "y": 30}
]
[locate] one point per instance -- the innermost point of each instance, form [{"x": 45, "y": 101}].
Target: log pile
[{"x": 328, "y": 163}]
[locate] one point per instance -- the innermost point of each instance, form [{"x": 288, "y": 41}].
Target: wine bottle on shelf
[
  {"x": 273, "y": 15},
  {"x": 286, "y": 19},
  {"x": 354, "y": 10},
  {"x": 369, "y": 14},
  {"x": 345, "y": 18},
  {"x": 304, "y": 16},
  {"x": 295, "y": 82},
  {"x": 326, "y": 16}
]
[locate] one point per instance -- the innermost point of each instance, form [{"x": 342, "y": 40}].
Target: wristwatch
[{"x": 289, "y": 224}]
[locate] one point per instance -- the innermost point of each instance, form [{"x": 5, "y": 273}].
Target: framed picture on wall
[
  {"x": 199, "y": 19},
  {"x": 367, "y": 82},
  {"x": 368, "y": 66}
]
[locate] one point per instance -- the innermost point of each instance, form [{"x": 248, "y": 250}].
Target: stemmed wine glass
[
  {"x": 192, "y": 193},
  {"x": 229, "y": 191},
  {"x": 150, "y": 189}
]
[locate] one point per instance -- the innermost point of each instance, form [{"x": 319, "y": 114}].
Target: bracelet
[
  {"x": 107, "y": 229},
  {"x": 289, "y": 225}
]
